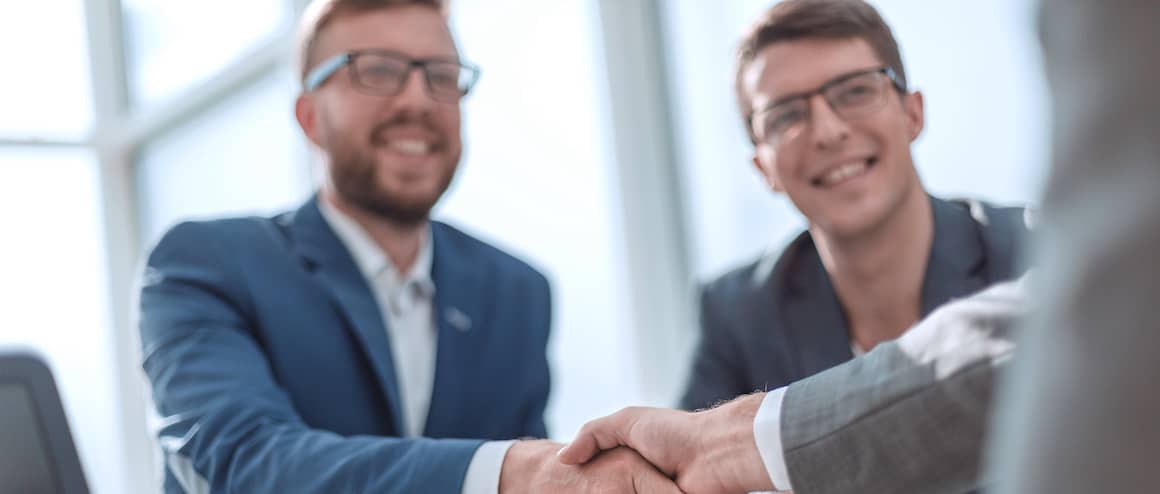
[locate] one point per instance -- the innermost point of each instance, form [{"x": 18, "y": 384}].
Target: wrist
[
  {"x": 732, "y": 447},
  {"x": 523, "y": 463}
]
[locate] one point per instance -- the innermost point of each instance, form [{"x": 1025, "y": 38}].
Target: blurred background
[{"x": 602, "y": 145}]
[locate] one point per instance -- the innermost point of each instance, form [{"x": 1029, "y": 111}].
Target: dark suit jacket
[
  {"x": 778, "y": 320},
  {"x": 271, "y": 369}
]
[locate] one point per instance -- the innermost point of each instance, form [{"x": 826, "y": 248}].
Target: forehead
[
  {"x": 790, "y": 67},
  {"x": 415, "y": 30}
]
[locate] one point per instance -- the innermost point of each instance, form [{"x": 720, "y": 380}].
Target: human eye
[
  {"x": 378, "y": 71},
  {"x": 783, "y": 117},
  {"x": 856, "y": 92},
  {"x": 444, "y": 76}
]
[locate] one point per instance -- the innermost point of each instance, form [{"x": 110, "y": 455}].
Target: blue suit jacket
[
  {"x": 778, "y": 320},
  {"x": 271, "y": 369}
]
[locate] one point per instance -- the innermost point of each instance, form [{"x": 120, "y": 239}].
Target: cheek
[
  {"x": 330, "y": 129},
  {"x": 889, "y": 133},
  {"x": 353, "y": 112},
  {"x": 331, "y": 123},
  {"x": 450, "y": 124},
  {"x": 785, "y": 163}
]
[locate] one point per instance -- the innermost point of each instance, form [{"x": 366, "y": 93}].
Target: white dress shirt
[
  {"x": 407, "y": 304},
  {"x": 767, "y": 432}
]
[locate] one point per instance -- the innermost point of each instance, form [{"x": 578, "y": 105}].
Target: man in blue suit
[
  {"x": 824, "y": 94},
  {"x": 353, "y": 345}
]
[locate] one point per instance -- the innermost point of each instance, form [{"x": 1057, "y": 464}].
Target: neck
[
  {"x": 400, "y": 242},
  {"x": 878, "y": 274}
]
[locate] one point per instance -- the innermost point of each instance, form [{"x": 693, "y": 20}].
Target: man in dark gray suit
[
  {"x": 824, "y": 94},
  {"x": 1081, "y": 413}
]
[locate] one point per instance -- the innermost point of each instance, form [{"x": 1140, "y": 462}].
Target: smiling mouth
[
  {"x": 845, "y": 172},
  {"x": 410, "y": 147}
]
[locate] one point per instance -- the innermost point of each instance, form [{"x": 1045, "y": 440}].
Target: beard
[{"x": 354, "y": 172}]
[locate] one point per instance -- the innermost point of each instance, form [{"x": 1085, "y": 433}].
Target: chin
[
  {"x": 412, "y": 192},
  {"x": 413, "y": 195},
  {"x": 853, "y": 220}
]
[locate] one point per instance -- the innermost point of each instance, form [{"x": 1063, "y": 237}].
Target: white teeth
[
  {"x": 411, "y": 147},
  {"x": 844, "y": 172}
]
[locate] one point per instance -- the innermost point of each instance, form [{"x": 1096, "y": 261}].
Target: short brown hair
[
  {"x": 321, "y": 13},
  {"x": 791, "y": 20}
]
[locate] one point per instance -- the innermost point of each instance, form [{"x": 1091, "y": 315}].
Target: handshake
[{"x": 647, "y": 450}]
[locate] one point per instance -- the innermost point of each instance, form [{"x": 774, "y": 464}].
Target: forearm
[
  {"x": 909, "y": 416},
  {"x": 525, "y": 460},
  {"x": 266, "y": 457},
  {"x": 930, "y": 441}
]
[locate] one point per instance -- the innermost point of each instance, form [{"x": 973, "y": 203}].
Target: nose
[
  {"x": 829, "y": 128},
  {"x": 414, "y": 94}
]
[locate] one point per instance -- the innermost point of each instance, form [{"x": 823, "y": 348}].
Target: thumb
[
  {"x": 586, "y": 444},
  {"x": 596, "y": 436}
]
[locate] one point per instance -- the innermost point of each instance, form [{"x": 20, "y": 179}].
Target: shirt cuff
[
  {"x": 767, "y": 433},
  {"x": 484, "y": 469}
]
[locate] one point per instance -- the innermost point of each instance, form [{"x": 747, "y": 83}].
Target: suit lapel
[
  {"x": 815, "y": 324},
  {"x": 331, "y": 263},
  {"x": 460, "y": 299},
  {"x": 956, "y": 267},
  {"x": 759, "y": 311}
]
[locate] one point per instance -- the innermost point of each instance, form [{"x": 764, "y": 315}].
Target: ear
[
  {"x": 913, "y": 106},
  {"x": 768, "y": 173},
  {"x": 306, "y": 112}
]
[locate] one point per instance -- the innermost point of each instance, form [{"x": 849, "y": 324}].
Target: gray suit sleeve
[
  {"x": 909, "y": 416},
  {"x": 1082, "y": 409}
]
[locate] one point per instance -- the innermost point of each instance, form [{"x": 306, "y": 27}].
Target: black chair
[{"x": 37, "y": 455}]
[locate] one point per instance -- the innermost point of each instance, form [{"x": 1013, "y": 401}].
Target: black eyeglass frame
[
  {"x": 888, "y": 71},
  {"x": 325, "y": 70}
]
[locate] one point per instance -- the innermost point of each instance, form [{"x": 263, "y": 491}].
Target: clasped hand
[{"x": 707, "y": 452}]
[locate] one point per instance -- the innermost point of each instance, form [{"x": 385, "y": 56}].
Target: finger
[
  {"x": 653, "y": 481},
  {"x": 596, "y": 436}
]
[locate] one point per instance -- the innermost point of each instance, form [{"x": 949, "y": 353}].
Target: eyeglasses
[
  {"x": 851, "y": 96},
  {"x": 385, "y": 73}
]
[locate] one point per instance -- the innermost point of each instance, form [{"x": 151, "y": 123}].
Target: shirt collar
[{"x": 370, "y": 259}]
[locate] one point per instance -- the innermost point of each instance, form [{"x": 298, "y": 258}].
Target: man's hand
[
  {"x": 708, "y": 452},
  {"x": 532, "y": 467}
]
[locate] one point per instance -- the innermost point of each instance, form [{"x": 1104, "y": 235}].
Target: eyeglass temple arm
[{"x": 323, "y": 72}]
